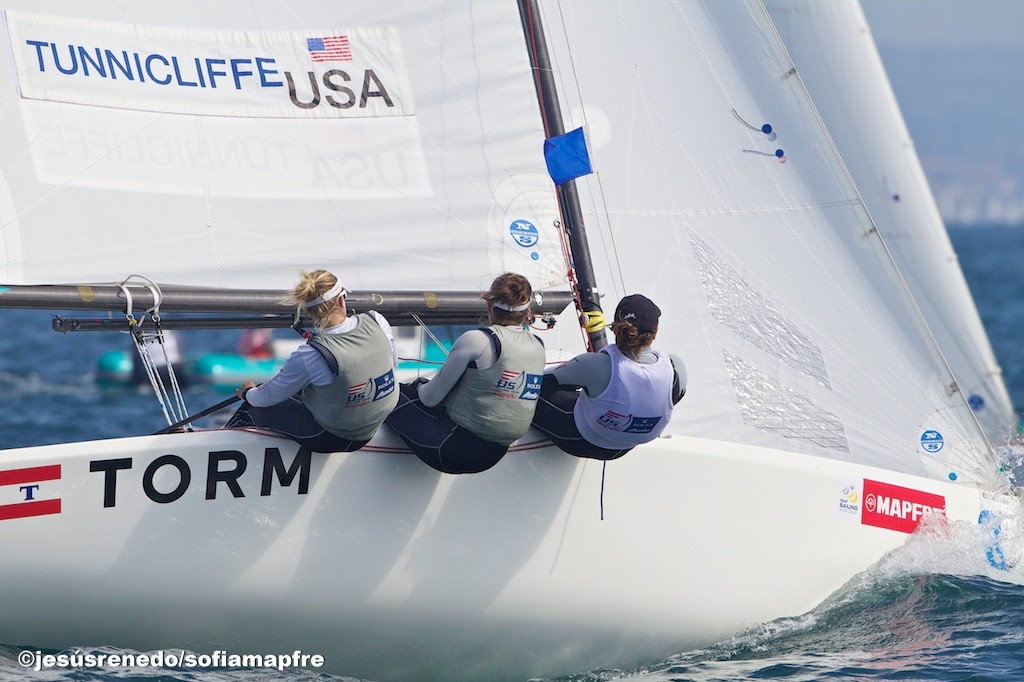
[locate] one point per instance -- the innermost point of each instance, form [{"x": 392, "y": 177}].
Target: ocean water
[{"x": 921, "y": 613}]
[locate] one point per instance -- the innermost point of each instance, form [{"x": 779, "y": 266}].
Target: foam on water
[{"x": 933, "y": 609}]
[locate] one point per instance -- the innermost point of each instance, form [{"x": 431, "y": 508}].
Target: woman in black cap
[{"x": 601, "y": 405}]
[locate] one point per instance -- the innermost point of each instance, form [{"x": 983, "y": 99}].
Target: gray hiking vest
[
  {"x": 497, "y": 403},
  {"x": 356, "y": 403}
]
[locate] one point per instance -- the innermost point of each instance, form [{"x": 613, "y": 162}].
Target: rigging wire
[
  {"x": 429, "y": 333},
  {"x": 611, "y": 254},
  {"x": 172, "y": 401},
  {"x": 546, "y": 122},
  {"x": 573, "y": 282}
]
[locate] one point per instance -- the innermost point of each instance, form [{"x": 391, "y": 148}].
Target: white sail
[
  {"x": 409, "y": 173},
  {"x": 696, "y": 210},
  {"x": 819, "y": 428},
  {"x": 836, "y": 56}
]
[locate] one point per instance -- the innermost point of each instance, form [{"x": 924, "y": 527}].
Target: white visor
[
  {"x": 328, "y": 295},
  {"x": 512, "y": 308}
]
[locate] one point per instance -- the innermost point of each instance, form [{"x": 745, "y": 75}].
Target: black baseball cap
[{"x": 639, "y": 310}]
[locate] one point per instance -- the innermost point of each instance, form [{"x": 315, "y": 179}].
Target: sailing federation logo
[
  {"x": 627, "y": 423},
  {"x": 898, "y": 508},
  {"x": 357, "y": 394},
  {"x": 849, "y": 499},
  {"x": 29, "y": 487},
  {"x": 371, "y": 389},
  {"x": 518, "y": 385}
]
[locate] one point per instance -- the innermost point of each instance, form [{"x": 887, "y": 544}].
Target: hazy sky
[
  {"x": 960, "y": 98},
  {"x": 949, "y": 23}
]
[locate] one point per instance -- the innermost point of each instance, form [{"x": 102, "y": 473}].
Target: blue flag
[{"x": 567, "y": 157}]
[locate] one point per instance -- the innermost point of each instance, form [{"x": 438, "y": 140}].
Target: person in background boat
[
  {"x": 170, "y": 352},
  {"x": 256, "y": 344},
  {"x": 601, "y": 405},
  {"x": 483, "y": 397},
  {"x": 335, "y": 390}
]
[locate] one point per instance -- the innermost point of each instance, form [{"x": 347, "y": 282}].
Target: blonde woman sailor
[{"x": 334, "y": 391}]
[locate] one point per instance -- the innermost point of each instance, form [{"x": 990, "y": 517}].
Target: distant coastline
[{"x": 962, "y": 107}]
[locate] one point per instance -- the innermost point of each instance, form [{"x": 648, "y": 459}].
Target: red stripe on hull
[{"x": 23, "y": 509}]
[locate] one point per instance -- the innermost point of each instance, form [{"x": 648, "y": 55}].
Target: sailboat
[
  {"x": 217, "y": 149},
  {"x": 837, "y": 59}
]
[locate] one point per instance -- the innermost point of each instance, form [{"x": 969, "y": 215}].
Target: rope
[{"x": 604, "y": 465}]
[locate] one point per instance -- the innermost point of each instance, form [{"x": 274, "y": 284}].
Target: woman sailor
[
  {"x": 601, "y": 405},
  {"x": 483, "y": 397},
  {"x": 334, "y": 391}
]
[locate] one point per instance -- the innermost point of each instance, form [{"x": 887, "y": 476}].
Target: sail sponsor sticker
[
  {"x": 932, "y": 441},
  {"x": 384, "y": 385},
  {"x": 29, "y": 491},
  {"x": 849, "y": 500},
  {"x": 898, "y": 508},
  {"x": 340, "y": 73},
  {"x": 524, "y": 233}
]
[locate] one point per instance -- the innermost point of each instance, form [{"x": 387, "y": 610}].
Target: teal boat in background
[{"x": 226, "y": 371}]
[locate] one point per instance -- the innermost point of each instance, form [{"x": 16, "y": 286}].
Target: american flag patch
[
  {"x": 28, "y": 491},
  {"x": 509, "y": 375},
  {"x": 358, "y": 388},
  {"x": 329, "y": 49}
]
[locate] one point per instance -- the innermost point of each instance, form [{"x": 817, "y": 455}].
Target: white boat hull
[{"x": 391, "y": 570}]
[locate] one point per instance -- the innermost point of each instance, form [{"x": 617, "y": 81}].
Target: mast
[{"x": 588, "y": 300}]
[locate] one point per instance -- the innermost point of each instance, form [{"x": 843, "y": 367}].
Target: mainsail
[
  {"x": 837, "y": 59},
  {"x": 212, "y": 147}
]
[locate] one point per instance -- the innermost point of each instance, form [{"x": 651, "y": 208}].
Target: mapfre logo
[{"x": 897, "y": 508}]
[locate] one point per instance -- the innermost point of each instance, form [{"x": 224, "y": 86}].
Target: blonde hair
[
  {"x": 313, "y": 285},
  {"x": 511, "y": 290}
]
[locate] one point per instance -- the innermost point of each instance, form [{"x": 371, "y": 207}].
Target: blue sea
[{"x": 913, "y": 616}]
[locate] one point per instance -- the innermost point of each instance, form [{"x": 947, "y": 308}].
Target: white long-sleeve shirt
[
  {"x": 473, "y": 345},
  {"x": 306, "y": 366}
]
